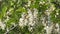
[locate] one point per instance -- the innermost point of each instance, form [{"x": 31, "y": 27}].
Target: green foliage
[{"x": 17, "y": 7}]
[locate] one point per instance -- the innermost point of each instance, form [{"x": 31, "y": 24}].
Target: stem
[{"x": 10, "y": 29}]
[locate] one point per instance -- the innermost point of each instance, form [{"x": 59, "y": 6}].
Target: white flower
[
  {"x": 7, "y": 19},
  {"x": 2, "y": 25},
  {"x": 35, "y": 13},
  {"x": 31, "y": 24},
  {"x": 7, "y": 29},
  {"x": 57, "y": 13},
  {"x": 55, "y": 16},
  {"x": 41, "y": 2},
  {"x": 29, "y": 12},
  {"x": 8, "y": 12},
  {"x": 52, "y": 8},
  {"x": 21, "y": 24},
  {"x": 57, "y": 25},
  {"x": 29, "y": 2},
  {"x": 23, "y": 15},
  {"x": 26, "y": 21},
  {"x": 21, "y": 19},
  {"x": 30, "y": 29}
]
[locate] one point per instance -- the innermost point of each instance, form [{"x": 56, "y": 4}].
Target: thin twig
[{"x": 10, "y": 29}]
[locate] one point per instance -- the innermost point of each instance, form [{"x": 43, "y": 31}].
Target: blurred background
[{"x": 29, "y": 16}]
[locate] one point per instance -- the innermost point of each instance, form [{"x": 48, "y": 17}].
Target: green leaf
[{"x": 3, "y": 12}]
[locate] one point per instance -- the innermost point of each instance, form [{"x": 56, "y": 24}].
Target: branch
[{"x": 10, "y": 29}]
